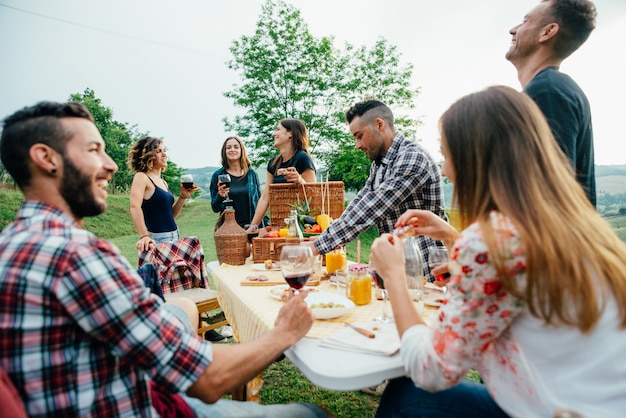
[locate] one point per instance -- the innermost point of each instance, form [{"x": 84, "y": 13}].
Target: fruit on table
[
  {"x": 314, "y": 229},
  {"x": 323, "y": 221}
]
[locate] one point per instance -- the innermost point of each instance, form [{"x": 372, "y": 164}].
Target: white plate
[
  {"x": 433, "y": 295},
  {"x": 328, "y": 313},
  {"x": 277, "y": 291},
  {"x": 261, "y": 267}
]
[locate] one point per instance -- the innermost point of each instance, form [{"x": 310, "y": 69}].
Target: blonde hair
[{"x": 505, "y": 159}]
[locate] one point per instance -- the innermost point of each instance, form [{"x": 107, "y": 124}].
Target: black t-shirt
[
  {"x": 301, "y": 161},
  {"x": 238, "y": 192}
]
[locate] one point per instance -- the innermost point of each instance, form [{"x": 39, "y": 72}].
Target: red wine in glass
[
  {"x": 225, "y": 180},
  {"x": 188, "y": 185},
  {"x": 297, "y": 281}
]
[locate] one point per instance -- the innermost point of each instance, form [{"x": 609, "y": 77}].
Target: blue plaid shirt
[
  {"x": 80, "y": 334},
  {"x": 406, "y": 178}
]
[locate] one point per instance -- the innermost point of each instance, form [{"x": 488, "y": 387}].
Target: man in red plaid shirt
[{"x": 80, "y": 334}]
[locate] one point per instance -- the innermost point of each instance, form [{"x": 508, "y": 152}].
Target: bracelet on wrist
[{"x": 143, "y": 236}]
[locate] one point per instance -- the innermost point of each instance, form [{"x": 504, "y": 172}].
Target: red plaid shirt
[
  {"x": 180, "y": 264},
  {"x": 79, "y": 332}
]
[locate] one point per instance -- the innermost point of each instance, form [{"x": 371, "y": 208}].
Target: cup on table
[
  {"x": 335, "y": 260},
  {"x": 359, "y": 284},
  {"x": 187, "y": 181}
]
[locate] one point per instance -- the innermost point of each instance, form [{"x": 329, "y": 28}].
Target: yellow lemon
[
  {"x": 323, "y": 221},
  {"x": 282, "y": 232}
]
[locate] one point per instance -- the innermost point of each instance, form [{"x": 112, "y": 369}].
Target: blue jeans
[
  {"x": 170, "y": 236},
  {"x": 467, "y": 399}
]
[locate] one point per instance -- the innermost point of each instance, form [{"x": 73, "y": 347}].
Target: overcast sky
[{"x": 161, "y": 64}]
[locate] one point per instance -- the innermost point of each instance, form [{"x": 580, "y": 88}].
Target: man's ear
[
  {"x": 549, "y": 32},
  {"x": 45, "y": 158},
  {"x": 380, "y": 124}
]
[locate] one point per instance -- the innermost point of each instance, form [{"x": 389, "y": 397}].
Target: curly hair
[{"x": 142, "y": 154}]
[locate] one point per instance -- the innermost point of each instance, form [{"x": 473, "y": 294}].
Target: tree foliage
[
  {"x": 119, "y": 138},
  {"x": 288, "y": 73}
]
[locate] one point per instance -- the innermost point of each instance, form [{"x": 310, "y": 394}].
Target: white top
[{"x": 530, "y": 369}]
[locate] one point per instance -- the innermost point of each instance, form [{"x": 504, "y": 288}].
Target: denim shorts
[{"x": 170, "y": 236}]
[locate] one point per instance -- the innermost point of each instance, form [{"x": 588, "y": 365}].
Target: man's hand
[{"x": 295, "y": 318}]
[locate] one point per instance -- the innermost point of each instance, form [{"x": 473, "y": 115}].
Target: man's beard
[{"x": 77, "y": 190}]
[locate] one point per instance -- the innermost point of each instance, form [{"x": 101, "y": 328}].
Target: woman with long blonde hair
[{"x": 537, "y": 296}]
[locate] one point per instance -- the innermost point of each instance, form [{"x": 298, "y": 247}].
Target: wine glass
[
  {"x": 436, "y": 257},
  {"x": 225, "y": 179},
  {"x": 187, "y": 182},
  {"x": 414, "y": 270},
  {"x": 296, "y": 264},
  {"x": 385, "y": 318}
]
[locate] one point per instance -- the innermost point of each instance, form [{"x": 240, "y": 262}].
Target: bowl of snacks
[{"x": 328, "y": 305}]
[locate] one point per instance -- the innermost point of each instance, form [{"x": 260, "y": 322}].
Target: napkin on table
[{"x": 386, "y": 342}]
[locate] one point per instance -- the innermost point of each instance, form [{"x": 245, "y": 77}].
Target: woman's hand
[
  {"x": 387, "y": 258},
  {"x": 442, "y": 274},
  {"x": 222, "y": 190},
  {"x": 145, "y": 243},
  {"x": 186, "y": 193},
  {"x": 425, "y": 222},
  {"x": 292, "y": 175}
]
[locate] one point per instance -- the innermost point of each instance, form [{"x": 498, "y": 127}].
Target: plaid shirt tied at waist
[{"x": 180, "y": 264}]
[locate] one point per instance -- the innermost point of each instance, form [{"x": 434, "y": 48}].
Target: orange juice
[
  {"x": 335, "y": 260},
  {"x": 359, "y": 290},
  {"x": 359, "y": 284}
]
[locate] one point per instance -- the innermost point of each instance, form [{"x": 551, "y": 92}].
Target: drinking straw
[
  {"x": 358, "y": 251},
  {"x": 322, "y": 193},
  {"x": 327, "y": 194}
]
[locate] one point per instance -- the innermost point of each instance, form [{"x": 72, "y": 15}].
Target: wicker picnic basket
[
  {"x": 266, "y": 249},
  {"x": 230, "y": 241},
  {"x": 284, "y": 194}
]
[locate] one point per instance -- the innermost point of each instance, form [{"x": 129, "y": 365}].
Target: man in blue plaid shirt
[
  {"x": 80, "y": 334},
  {"x": 403, "y": 176}
]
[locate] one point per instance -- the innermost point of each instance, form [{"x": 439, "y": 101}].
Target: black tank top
[{"x": 157, "y": 211}]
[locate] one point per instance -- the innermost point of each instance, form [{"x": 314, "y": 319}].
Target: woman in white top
[{"x": 537, "y": 296}]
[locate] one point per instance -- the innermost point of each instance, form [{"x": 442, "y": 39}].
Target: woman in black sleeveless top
[{"x": 152, "y": 206}]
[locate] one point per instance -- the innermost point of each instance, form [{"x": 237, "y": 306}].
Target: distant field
[{"x": 611, "y": 184}]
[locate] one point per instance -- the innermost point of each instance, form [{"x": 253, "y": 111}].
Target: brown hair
[
  {"x": 299, "y": 138},
  {"x": 576, "y": 20},
  {"x": 38, "y": 124},
  {"x": 505, "y": 159},
  {"x": 244, "y": 161},
  {"x": 142, "y": 154}
]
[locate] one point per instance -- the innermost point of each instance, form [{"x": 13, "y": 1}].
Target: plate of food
[
  {"x": 328, "y": 305},
  {"x": 280, "y": 292},
  {"x": 272, "y": 266}
]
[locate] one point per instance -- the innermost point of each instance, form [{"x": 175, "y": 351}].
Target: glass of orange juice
[
  {"x": 359, "y": 284},
  {"x": 335, "y": 260}
]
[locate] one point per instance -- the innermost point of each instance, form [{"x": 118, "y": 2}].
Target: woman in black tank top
[{"x": 152, "y": 206}]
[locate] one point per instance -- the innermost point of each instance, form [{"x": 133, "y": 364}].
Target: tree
[
  {"x": 288, "y": 73},
  {"x": 119, "y": 138}
]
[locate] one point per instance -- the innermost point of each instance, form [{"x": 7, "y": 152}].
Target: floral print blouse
[{"x": 484, "y": 327}]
